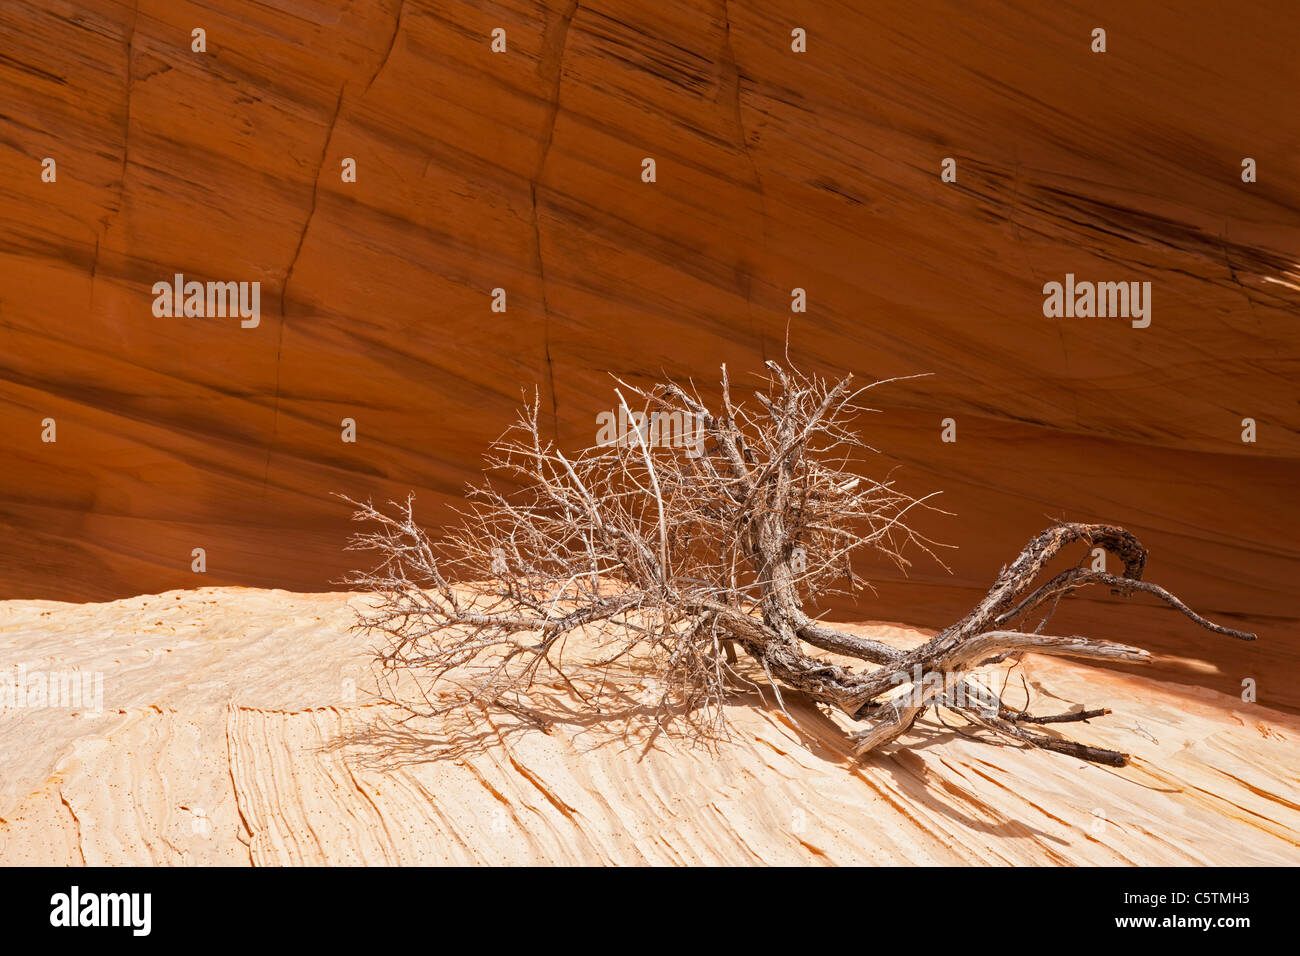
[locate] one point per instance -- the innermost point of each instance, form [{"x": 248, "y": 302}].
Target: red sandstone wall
[{"x": 775, "y": 170}]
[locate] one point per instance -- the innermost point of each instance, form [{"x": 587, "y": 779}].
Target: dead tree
[{"x": 720, "y": 535}]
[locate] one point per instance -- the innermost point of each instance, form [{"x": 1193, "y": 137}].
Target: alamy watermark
[
  {"x": 657, "y": 429},
  {"x": 37, "y": 689},
  {"x": 960, "y": 689},
  {"x": 208, "y": 300},
  {"x": 1125, "y": 300},
  {"x": 75, "y": 908}
]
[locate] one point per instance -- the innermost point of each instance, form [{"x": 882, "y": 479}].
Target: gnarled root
[{"x": 935, "y": 671}]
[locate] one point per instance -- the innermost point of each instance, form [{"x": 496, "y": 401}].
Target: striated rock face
[
  {"x": 237, "y": 727},
  {"x": 775, "y": 170}
]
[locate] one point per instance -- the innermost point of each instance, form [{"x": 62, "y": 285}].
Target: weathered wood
[{"x": 685, "y": 557}]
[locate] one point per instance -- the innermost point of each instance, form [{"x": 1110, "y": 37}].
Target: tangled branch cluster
[{"x": 681, "y": 557}]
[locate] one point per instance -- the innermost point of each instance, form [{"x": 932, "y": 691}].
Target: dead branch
[{"x": 679, "y": 546}]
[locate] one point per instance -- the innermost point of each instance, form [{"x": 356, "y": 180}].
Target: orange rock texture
[{"x": 522, "y": 170}]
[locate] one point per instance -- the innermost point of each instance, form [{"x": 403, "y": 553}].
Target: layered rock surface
[{"x": 238, "y": 727}]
